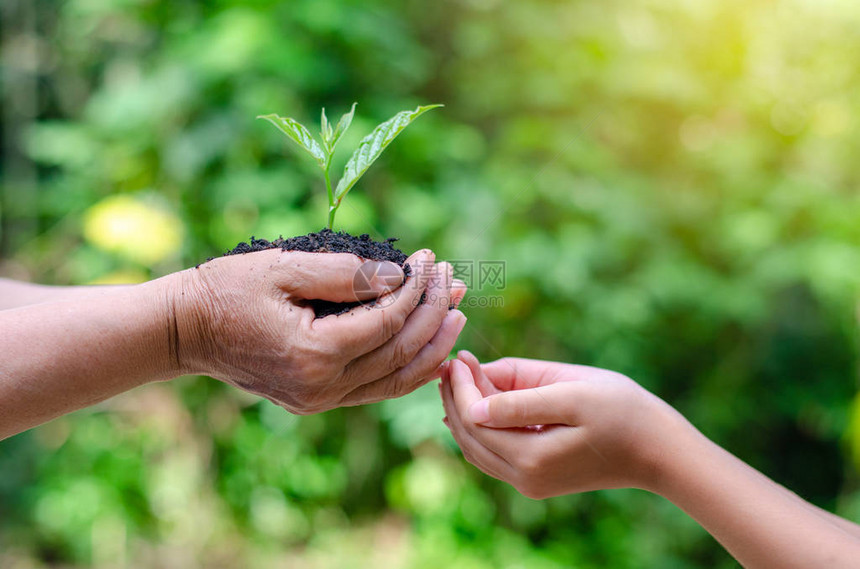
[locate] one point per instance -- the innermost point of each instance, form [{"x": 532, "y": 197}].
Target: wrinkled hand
[
  {"x": 550, "y": 428},
  {"x": 246, "y": 320}
]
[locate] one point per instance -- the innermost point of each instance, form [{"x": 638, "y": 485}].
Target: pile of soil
[{"x": 328, "y": 241}]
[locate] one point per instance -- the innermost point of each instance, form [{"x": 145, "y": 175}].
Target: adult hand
[
  {"x": 246, "y": 320},
  {"x": 550, "y": 428}
]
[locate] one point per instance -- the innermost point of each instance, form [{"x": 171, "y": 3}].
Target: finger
[
  {"x": 464, "y": 388},
  {"x": 509, "y": 374},
  {"x": 458, "y": 291},
  {"x": 365, "y": 328},
  {"x": 505, "y": 443},
  {"x": 483, "y": 458},
  {"x": 418, "y": 372},
  {"x": 397, "y": 352},
  {"x": 485, "y": 386},
  {"x": 337, "y": 277},
  {"x": 526, "y": 407}
]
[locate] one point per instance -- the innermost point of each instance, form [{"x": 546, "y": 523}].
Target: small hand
[
  {"x": 551, "y": 428},
  {"x": 246, "y": 320}
]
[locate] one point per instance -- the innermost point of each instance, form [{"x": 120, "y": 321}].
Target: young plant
[{"x": 369, "y": 149}]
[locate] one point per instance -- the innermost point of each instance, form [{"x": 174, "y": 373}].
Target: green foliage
[
  {"x": 332, "y": 137},
  {"x": 369, "y": 149},
  {"x": 372, "y": 146},
  {"x": 297, "y": 132},
  {"x": 672, "y": 186}
]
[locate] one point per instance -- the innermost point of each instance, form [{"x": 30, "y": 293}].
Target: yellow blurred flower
[{"x": 133, "y": 228}]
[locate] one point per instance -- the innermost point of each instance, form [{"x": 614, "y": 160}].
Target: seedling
[{"x": 369, "y": 149}]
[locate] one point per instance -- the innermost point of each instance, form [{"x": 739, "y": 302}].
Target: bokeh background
[{"x": 672, "y": 185}]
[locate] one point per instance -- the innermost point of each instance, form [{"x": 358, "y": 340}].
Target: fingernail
[
  {"x": 423, "y": 263},
  {"x": 458, "y": 292},
  {"x": 461, "y": 320},
  {"x": 385, "y": 275},
  {"x": 480, "y": 411},
  {"x": 429, "y": 256}
]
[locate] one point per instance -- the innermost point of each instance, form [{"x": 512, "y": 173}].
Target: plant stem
[
  {"x": 331, "y": 206},
  {"x": 331, "y": 210}
]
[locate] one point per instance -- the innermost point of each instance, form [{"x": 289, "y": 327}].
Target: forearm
[
  {"x": 762, "y": 524},
  {"x": 62, "y": 356},
  {"x": 14, "y": 294},
  {"x": 846, "y": 525}
]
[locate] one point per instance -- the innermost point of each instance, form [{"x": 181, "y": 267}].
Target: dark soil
[{"x": 327, "y": 241}]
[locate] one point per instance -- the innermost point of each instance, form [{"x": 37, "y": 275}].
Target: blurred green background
[{"x": 672, "y": 185}]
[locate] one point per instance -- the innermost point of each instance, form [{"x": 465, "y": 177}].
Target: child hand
[{"x": 550, "y": 428}]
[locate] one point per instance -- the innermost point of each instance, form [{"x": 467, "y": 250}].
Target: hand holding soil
[{"x": 248, "y": 320}]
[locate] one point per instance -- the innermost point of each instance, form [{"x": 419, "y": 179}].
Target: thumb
[
  {"x": 522, "y": 408},
  {"x": 338, "y": 277}
]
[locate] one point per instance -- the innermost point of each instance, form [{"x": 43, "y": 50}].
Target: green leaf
[
  {"x": 296, "y": 131},
  {"x": 325, "y": 131},
  {"x": 331, "y": 137},
  {"x": 372, "y": 145},
  {"x": 341, "y": 127}
]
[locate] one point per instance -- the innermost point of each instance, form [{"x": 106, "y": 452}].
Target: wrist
[
  {"x": 174, "y": 298},
  {"x": 185, "y": 318},
  {"x": 673, "y": 442}
]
